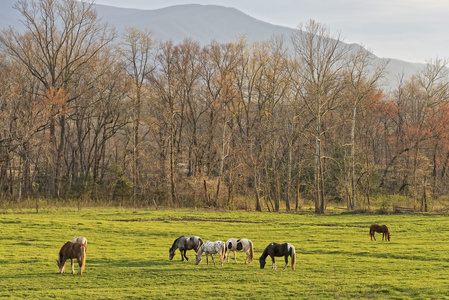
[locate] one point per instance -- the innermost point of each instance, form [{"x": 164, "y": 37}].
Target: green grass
[{"x": 127, "y": 255}]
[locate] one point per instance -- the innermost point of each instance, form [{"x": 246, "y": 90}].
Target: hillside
[{"x": 203, "y": 23}]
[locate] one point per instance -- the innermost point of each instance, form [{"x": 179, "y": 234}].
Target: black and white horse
[
  {"x": 278, "y": 250},
  {"x": 183, "y": 244},
  {"x": 240, "y": 245}
]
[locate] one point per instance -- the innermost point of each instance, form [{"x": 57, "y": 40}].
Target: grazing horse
[
  {"x": 278, "y": 250},
  {"x": 70, "y": 251},
  {"x": 240, "y": 245},
  {"x": 381, "y": 229},
  {"x": 80, "y": 239},
  {"x": 183, "y": 244},
  {"x": 209, "y": 247}
]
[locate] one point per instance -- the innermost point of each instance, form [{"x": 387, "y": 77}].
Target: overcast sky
[{"x": 411, "y": 30}]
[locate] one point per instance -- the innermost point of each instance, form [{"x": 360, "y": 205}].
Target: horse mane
[
  {"x": 265, "y": 252},
  {"x": 174, "y": 243}
]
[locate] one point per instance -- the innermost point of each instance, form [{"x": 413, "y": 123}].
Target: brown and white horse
[
  {"x": 70, "y": 251},
  {"x": 240, "y": 245},
  {"x": 381, "y": 229}
]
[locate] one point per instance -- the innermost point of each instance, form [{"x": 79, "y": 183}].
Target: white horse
[
  {"x": 240, "y": 245},
  {"x": 209, "y": 247},
  {"x": 80, "y": 239}
]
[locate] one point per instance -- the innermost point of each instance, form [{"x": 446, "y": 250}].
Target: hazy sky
[{"x": 411, "y": 30}]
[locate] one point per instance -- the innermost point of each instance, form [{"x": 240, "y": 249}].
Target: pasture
[{"x": 127, "y": 255}]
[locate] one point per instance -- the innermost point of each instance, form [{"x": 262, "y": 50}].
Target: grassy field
[{"x": 127, "y": 255}]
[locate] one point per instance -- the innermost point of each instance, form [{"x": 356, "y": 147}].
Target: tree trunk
[
  {"x": 220, "y": 170},
  {"x": 353, "y": 202},
  {"x": 289, "y": 179}
]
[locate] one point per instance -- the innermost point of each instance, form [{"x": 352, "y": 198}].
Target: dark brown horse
[
  {"x": 70, "y": 251},
  {"x": 381, "y": 229}
]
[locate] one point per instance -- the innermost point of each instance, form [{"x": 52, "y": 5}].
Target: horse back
[
  {"x": 277, "y": 249},
  {"x": 376, "y": 228},
  {"x": 72, "y": 250}
]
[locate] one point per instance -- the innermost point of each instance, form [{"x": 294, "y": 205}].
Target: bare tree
[
  {"x": 138, "y": 53},
  {"x": 320, "y": 57},
  {"x": 362, "y": 77},
  {"x": 60, "y": 38}
]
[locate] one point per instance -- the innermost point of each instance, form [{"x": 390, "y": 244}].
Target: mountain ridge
[{"x": 202, "y": 23}]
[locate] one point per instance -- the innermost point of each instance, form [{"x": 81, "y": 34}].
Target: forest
[{"x": 123, "y": 119}]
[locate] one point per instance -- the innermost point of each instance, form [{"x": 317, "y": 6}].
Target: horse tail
[
  {"x": 222, "y": 253},
  {"x": 83, "y": 250},
  {"x": 200, "y": 242},
  {"x": 251, "y": 251},
  {"x": 293, "y": 255}
]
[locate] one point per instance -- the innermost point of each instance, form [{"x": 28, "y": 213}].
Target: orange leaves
[{"x": 55, "y": 101}]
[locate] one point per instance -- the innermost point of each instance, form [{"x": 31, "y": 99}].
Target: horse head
[
  {"x": 171, "y": 254},
  {"x": 198, "y": 258},
  {"x": 262, "y": 262},
  {"x": 172, "y": 251}
]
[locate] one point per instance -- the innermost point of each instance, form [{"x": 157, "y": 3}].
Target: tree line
[{"x": 88, "y": 113}]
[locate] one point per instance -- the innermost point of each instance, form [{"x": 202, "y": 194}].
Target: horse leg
[
  {"x": 71, "y": 263},
  {"x": 80, "y": 264},
  {"x": 212, "y": 258},
  {"x": 286, "y": 262},
  {"x": 374, "y": 235},
  {"x": 207, "y": 259},
  {"x": 235, "y": 259},
  {"x": 185, "y": 255},
  {"x": 273, "y": 263},
  {"x": 62, "y": 267}
]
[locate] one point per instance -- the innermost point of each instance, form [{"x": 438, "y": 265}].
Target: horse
[
  {"x": 183, "y": 244},
  {"x": 80, "y": 239},
  {"x": 278, "y": 250},
  {"x": 381, "y": 229},
  {"x": 240, "y": 245},
  {"x": 70, "y": 251},
  {"x": 209, "y": 247}
]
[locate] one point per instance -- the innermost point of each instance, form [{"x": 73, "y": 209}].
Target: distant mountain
[{"x": 202, "y": 23}]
